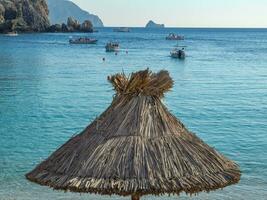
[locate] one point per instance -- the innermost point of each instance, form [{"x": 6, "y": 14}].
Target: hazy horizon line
[{"x": 191, "y": 27}]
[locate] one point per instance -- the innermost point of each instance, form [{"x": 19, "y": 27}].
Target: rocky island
[
  {"x": 23, "y": 16},
  {"x": 152, "y": 24}
]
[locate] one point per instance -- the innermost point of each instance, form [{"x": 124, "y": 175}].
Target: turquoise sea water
[{"x": 50, "y": 90}]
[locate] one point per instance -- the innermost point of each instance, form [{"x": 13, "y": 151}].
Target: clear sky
[{"x": 179, "y": 13}]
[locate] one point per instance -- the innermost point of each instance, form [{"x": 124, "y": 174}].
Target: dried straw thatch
[{"x": 136, "y": 147}]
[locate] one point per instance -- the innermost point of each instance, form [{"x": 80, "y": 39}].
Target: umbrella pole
[{"x": 135, "y": 197}]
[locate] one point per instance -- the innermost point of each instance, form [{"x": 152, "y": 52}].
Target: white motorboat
[{"x": 112, "y": 46}]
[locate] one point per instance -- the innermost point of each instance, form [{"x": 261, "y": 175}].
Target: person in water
[{"x": 179, "y": 53}]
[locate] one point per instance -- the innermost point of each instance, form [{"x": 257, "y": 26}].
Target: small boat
[
  {"x": 122, "y": 30},
  {"x": 83, "y": 40},
  {"x": 173, "y": 36},
  {"x": 12, "y": 34},
  {"x": 112, "y": 46},
  {"x": 178, "y": 53}
]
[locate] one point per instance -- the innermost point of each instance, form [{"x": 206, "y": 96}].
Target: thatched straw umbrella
[{"x": 136, "y": 147}]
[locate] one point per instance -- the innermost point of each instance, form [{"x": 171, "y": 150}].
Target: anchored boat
[
  {"x": 83, "y": 40},
  {"x": 13, "y": 33},
  {"x": 122, "y": 30},
  {"x": 173, "y": 36},
  {"x": 112, "y": 46},
  {"x": 178, "y": 53}
]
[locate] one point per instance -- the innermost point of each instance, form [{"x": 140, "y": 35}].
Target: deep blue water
[{"x": 50, "y": 90}]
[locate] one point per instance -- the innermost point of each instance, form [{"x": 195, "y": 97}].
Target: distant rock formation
[
  {"x": 72, "y": 25},
  {"x": 60, "y": 10},
  {"x": 23, "y": 16},
  {"x": 152, "y": 24},
  {"x": 87, "y": 26}
]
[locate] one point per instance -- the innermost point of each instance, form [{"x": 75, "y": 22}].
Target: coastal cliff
[
  {"x": 152, "y": 24},
  {"x": 23, "y": 15},
  {"x": 60, "y": 10}
]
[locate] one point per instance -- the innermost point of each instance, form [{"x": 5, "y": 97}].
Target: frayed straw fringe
[{"x": 141, "y": 187}]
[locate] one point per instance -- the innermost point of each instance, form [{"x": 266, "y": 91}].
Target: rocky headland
[
  {"x": 33, "y": 16},
  {"x": 60, "y": 10}
]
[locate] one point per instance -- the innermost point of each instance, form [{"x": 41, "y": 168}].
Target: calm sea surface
[{"x": 50, "y": 90}]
